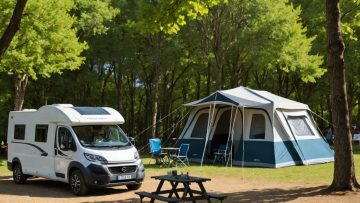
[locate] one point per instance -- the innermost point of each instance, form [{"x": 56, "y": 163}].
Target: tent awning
[
  {"x": 216, "y": 97},
  {"x": 245, "y": 97}
]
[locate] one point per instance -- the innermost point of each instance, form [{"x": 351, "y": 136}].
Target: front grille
[{"x": 122, "y": 169}]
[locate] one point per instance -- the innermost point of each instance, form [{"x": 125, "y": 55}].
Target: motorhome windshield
[{"x": 101, "y": 136}]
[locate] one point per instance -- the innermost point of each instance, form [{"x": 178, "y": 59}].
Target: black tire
[
  {"x": 77, "y": 183},
  {"x": 18, "y": 176},
  {"x": 134, "y": 186}
]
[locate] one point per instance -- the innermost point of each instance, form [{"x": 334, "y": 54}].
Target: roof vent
[
  {"x": 28, "y": 110},
  {"x": 63, "y": 105}
]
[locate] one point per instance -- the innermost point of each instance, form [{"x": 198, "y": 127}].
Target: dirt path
[{"x": 41, "y": 190}]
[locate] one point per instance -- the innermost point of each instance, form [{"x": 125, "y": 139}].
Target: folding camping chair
[
  {"x": 181, "y": 156},
  {"x": 155, "y": 151},
  {"x": 222, "y": 153}
]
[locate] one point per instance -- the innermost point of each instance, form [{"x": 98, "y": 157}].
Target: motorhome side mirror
[
  {"x": 72, "y": 146},
  {"x": 132, "y": 140},
  {"x": 64, "y": 145}
]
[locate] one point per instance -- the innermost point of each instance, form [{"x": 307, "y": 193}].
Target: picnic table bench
[
  {"x": 188, "y": 193},
  {"x": 158, "y": 197}
]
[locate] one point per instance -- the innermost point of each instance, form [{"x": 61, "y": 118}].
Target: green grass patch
[
  {"x": 3, "y": 168},
  {"x": 318, "y": 173}
]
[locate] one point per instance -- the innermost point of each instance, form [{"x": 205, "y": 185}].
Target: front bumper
[{"x": 102, "y": 176}]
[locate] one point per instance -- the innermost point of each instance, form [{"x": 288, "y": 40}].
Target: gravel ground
[{"x": 41, "y": 190}]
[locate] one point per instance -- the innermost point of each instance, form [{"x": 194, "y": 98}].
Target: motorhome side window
[
  {"x": 41, "y": 133},
  {"x": 200, "y": 127},
  {"x": 257, "y": 130},
  {"x": 19, "y": 132},
  {"x": 300, "y": 126}
]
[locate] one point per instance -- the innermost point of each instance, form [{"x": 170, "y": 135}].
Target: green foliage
[
  {"x": 170, "y": 15},
  {"x": 93, "y": 16},
  {"x": 281, "y": 40},
  {"x": 180, "y": 50},
  {"x": 46, "y": 42}
]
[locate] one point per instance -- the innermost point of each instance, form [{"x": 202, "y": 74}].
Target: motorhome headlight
[
  {"x": 95, "y": 158},
  {"x": 136, "y": 155}
]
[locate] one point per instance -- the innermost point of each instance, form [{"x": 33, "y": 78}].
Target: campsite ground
[
  {"x": 290, "y": 184},
  {"x": 41, "y": 190}
]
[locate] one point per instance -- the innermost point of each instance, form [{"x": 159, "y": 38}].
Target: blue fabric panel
[
  {"x": 256, "y": 151},
  {"x": 155, "y": 146},
  {"x": 315, "y": 149},
  {"x": 218, "y": 97},
  {"x": 195, "y": 149},
  {"x": 184, "y": 148},
  {"x": 286, "y": 152}
]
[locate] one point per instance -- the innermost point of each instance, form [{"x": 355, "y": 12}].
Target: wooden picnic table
[{"x": 188, "y": 193}]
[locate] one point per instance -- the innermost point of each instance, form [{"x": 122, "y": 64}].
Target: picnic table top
[{"x": 180, "y": 178}]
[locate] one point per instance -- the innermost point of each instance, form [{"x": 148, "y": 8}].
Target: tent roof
[{"x": 246, "y": 97}]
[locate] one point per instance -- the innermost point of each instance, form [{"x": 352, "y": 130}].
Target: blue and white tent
[{"x": 261, "y": 129}]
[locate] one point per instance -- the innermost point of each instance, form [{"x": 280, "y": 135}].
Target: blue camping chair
[
  {"x": 181, "y": 156},
  {"x": 155, "y": 151},
  {"x": 222, "y": 153}
]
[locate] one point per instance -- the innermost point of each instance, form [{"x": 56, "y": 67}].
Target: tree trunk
[
  {"x": 118, "y": 82},
  {"x": 132, "y": 102},
  {"x": 13, "y": 27},
  {"x": 208, "y": 78},
  {"x": 104, "y": 84},
  {"x": 358, "y": 116},
  {"x": 20, "y": 87},
  {"x": 344, "y": 173},
  {"x": 155, "y": 108}
]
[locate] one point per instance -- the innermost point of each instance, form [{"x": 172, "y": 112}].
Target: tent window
[
  {"x": 200, "y": 127},
  {"x": 300, "y": 126},
  {"x": 257, "y": 130}
]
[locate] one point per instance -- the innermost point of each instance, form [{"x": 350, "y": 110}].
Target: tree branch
[
  {"x": 350, "y": 10},
  {"x": 13, "y": 26}
]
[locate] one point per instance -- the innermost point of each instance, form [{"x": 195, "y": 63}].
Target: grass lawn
[
  {"x": 3, "y": 168},
  {"x": 319, "y": 173}
]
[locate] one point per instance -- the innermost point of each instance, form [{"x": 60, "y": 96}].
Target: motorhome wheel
[
  {"x": 77, "y": 183},
  {"x": 18, "y": 176}
]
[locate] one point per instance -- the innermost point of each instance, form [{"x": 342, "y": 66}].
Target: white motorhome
[{"x": 82, "y": 146}]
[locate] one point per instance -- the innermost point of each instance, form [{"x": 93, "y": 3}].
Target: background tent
[{"x": 261, "y": 128}]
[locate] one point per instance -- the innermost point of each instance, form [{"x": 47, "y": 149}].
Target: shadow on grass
[
  {"x": 356, "y": 148},
  {"x": 36, "y": 187},
  {"x": 280, "y": 195},
  {"x": 267, "y": 195},
  {"x": 2, "y": 161}
]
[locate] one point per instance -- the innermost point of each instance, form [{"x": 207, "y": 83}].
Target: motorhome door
[{"x": 63, "y": 151}]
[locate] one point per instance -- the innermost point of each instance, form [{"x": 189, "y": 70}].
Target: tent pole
[
  {"x": 243, "y": 137},
  {"x": 210, "y": 122},
  {"x": 232, "y": 138},
  {"x": 207, "y": 132},
  {"x": 228, "y": 138}
]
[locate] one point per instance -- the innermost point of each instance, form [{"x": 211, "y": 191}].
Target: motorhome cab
[{"x": 82, "y": 146}]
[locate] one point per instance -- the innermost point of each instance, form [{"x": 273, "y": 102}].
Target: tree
[
  {"x": 13, "y": 26},
  {"x": 344, "y": 171},
  {"x": 46, "y": 44}
]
